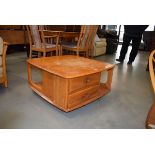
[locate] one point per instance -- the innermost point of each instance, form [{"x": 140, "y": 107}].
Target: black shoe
[
  {"x": 120, "y": 60},
  {"x": 129, "y": 62}
]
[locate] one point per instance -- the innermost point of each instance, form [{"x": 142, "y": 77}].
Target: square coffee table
[{"x": 69, "y": 82}]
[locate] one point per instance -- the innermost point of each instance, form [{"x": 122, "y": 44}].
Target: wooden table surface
[
  {"x": 62, "y": 34},
  {"x": 69, "y": 66}
]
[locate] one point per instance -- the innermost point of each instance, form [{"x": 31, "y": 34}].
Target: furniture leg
[
  {"x": 56, "y": 51},
  {"x": 6, "y": 84},
  {"x": 44, "y": 54},
  {"x": 77, "y": 53},
  {"x": 30, "y": 54},
  {"x": 39, "y": 54},
  {"x": 87, "y": 54},
  {"x": 59, "y": 50},
  {"x": 150, "y": 117}
]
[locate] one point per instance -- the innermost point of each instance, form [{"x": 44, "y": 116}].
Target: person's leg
[
  {"x": 126, "y": 42},
  {"x": 134, "y": 51}
]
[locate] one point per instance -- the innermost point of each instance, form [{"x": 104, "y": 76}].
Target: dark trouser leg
[
  {"x": 124, "y": 49},
  {"x": 135, "y": 46}
]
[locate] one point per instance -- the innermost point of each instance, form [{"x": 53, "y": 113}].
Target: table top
[
  {"x": 62, "y": 34},
  {"x": 69, "y": 66}
]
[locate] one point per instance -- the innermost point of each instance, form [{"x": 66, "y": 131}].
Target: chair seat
[
  {"x": 47, "y": 45},
  {"x": 100, "y": 44},
  {"x": 67, "y": 44}
]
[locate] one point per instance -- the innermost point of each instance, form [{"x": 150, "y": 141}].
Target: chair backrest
[
  {"x": 92, "y": 38},
  {"x": 43, "y": 27},
  {"x": 150, "y": 120},
  {"x": 34, "y": 36},
  {"x": 87, "y": 35},
  {"x": 152, "y": 68},
  {"x": 84, "y": 36}
]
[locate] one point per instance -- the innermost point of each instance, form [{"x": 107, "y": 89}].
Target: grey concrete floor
[{"x": 125, "y": 107}]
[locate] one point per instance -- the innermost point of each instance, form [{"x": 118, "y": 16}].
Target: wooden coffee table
[{"x": 69, "y": 82}]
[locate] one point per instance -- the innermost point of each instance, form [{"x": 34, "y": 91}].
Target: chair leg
[
  {"x": 56, "y": 51},
  {"x": 39, "y": 54},
  {"x": 60, "y": 50},
  {"x": 87, "y": 54},
  {"x": 30, "y": 54},
  {"x": 150, "y": 117},
  {"x": 6, "y": 84},
  {"x": 44, "y": 54},
  {"x": 77, "y": 53}
]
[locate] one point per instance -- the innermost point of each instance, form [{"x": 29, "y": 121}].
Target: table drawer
[
  {"x": 84, "y": 81},
  {"x": 82, "y": 96}
]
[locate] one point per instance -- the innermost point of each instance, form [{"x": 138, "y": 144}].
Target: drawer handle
[{"x": 87, "y": 80}]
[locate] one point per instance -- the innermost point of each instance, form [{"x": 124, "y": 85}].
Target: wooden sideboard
[
  {"x": 69, "y": 82},
  {"x": 17, "y": 34},
  {"x": 14, "y": 34}
]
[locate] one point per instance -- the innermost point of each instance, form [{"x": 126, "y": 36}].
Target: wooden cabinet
[
  {"x": 69, "y": 82},
  {"x": 17, "y": 34},
  {"x": 14, "y": 34}
]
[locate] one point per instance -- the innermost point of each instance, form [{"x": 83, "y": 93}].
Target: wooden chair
[
  {"x": 40, "y": 42},
  {"x": 92, "y": 40},
  {"x": 3, "y": 49},
  {"x": 85, "y": 41},
  {"x": 150, "y": 121}
]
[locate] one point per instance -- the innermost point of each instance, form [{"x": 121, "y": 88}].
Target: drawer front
[
  {"x": 83, "y": 96},
  {"x": 84, "y": 81},
  {"x": 93, "y": 79}
]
